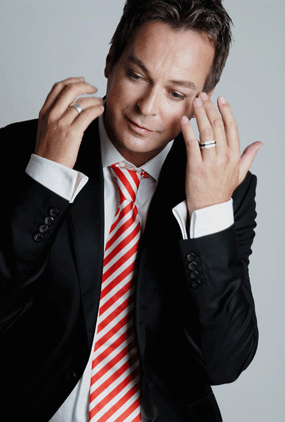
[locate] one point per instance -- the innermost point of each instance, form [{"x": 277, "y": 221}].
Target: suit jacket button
[
  {"x": 190, "y": 257},
  {"x": 43, "y": 228},
  {"x": 195, "y": 283},
  {"x": 49, "y": 220},
  {"x": 38, "y": 237},
  {"x": 54, "y": 212}
]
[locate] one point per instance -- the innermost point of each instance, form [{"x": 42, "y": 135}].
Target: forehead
[{"x": 171, "y": 54}]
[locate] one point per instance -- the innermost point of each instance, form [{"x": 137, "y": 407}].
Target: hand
[
  {"x": 213, "y": 174},
  {"x": 61, "y": 127}
]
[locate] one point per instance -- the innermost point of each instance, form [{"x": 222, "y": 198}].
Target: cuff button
[
  {"x": 194, "y": 274},
  {"x": 54, "y": 212},
  {"x": 190, "y": 257},
  {"x": 192, "y": 265},
  {"x": 49, "y": 220},
  {"x": 43, "y": 228},
  {"x": 38, "y": 237},
  {"x": 195, "y": 283}
]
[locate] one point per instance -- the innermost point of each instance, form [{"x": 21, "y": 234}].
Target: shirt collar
[{"x": 110, "y": 155}]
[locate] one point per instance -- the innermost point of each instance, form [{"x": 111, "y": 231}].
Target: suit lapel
[
  {"x": 87, "y": 226},
  {"x": 171, "y": 185},
  {"x": 161, "y": 230},
  {"x": 170, "y": 192}
]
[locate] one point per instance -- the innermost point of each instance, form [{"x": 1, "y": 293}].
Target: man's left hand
[{"x": 212, "y": 174}]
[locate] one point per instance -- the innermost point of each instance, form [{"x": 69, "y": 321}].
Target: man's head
[
  {"x": 204, "y": 16},
  {"x": 156, "y": 67}
]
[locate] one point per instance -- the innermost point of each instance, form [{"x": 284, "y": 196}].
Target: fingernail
[
  {"x": 204, "y": 96},
  {"x": 184, "y": 120},
  {"x": 198, "y": 102},
  {"x": 223, "y": 100}
]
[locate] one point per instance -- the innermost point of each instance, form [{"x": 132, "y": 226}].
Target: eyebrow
[{"x": 134, "y": 59}]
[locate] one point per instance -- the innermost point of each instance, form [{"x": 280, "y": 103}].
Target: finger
[
  {"x": 56, "y": 89},
  {"x": 69, "y": 93},
  {"x": 86, "y": 102},
  {"x": 230, "y": 124},
  {"x": 84, "y": 119},
  {"x": 247, "y": 159},
  {"x": 191, "y": 142},
  {"x": 219, "y": 134},
  {"x": 206, "y": 132}
]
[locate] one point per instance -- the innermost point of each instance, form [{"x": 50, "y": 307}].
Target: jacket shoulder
[
  {"x": 21, "y": 129},
  {"x": 18, "y": 141},
  {"x": 23, "y": 124}
]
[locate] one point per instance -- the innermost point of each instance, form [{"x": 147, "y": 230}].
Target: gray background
[{"x": 45, "y": 41}]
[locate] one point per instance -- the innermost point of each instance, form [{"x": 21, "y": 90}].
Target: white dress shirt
[{"x": 67, "y": 183}]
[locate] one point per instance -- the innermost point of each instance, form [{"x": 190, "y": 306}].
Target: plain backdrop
[{"x": 42, "y": 42}]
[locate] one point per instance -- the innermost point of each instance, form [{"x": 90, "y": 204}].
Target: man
[{"x": 186, "y": 316}]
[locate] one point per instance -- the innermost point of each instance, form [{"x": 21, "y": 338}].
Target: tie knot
[{"x": 128, "y": 181}]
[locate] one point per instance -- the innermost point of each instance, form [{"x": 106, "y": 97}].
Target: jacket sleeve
[
  {"x": 221, "y": 323},
  {"x": 31, "y": 216}
]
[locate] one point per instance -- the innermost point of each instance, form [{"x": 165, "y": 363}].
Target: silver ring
[
  {"x": 78, "y": 107},
  {"x": 207, "y": 144}
]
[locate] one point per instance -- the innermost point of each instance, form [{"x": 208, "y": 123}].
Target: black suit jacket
[{"x": 191, "y": 332}]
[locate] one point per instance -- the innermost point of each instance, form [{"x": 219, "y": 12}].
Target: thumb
[{"x": 247, "y": 158}]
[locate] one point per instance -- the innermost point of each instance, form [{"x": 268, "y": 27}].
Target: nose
[{"x": 148, "y": 102}]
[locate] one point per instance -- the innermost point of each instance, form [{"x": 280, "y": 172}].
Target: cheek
[
  {"x": 115, "y": 86},
  {"x": 172, "y": 121},
  {"x": 121, "y": 97},
  {"x": 115, "y": 101},
  {"x": 172, "y": 118}
]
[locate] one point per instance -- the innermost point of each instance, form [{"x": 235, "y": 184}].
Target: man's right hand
[{"x": 61, "y": 127}]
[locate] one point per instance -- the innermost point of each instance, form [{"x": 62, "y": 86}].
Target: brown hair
[{"x": 207, "y": 16}]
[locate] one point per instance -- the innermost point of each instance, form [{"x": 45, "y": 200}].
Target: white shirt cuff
[
  {"x": 204, "y": 221},
  {"x": 60, "y": 179}
]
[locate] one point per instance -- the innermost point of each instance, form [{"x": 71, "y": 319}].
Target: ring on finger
[
  {"x": 77, "y": 107},
  {"x": 207, "y": 144}
]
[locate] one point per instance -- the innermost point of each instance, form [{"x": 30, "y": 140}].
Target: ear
[{"x": 107, "y": 69}]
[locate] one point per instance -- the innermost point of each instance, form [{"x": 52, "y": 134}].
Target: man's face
[{"x": 153, "y": 84}]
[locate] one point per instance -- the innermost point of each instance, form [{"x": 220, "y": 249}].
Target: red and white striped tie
[{"x": 115, "y": 377}]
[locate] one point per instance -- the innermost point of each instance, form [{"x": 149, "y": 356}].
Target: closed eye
[
  {"x": 177, "y": 96},
  {"x": 134, "y": 76}
]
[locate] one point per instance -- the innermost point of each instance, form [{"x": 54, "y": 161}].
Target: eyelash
[
  {"x": 135, "y": 77},
  {"x": 179, "y": 97}
]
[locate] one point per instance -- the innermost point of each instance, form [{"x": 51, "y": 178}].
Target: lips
[{"x": 138, "y": 128}]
